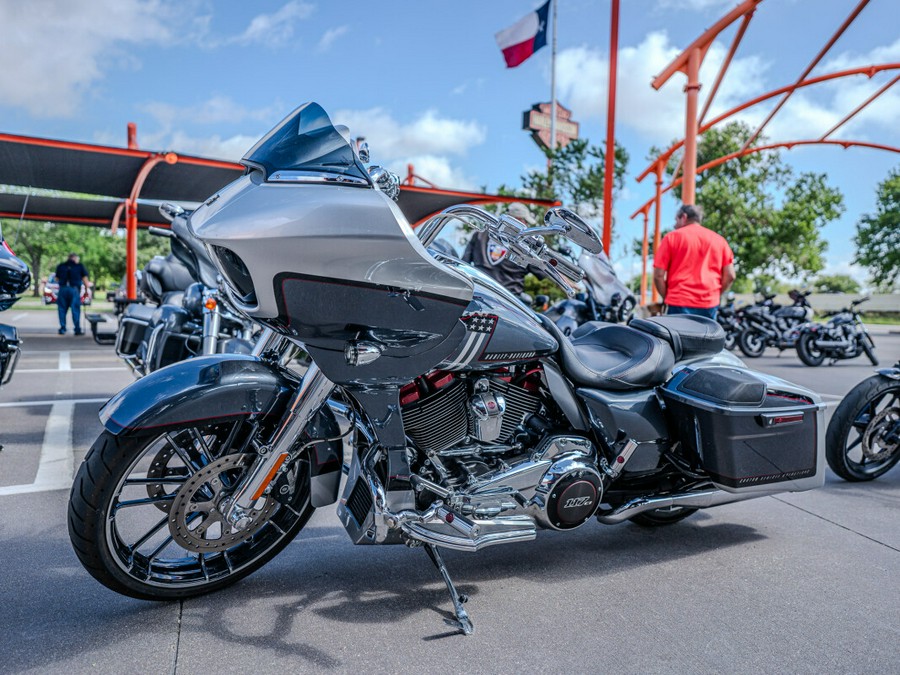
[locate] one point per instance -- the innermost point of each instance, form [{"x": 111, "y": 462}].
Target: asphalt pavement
[{"x": 798, "y": 583}]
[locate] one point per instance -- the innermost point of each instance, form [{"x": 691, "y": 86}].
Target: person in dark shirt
[
  {"x": 71, "y": 275},
  {"x": 490, "y": 257}
]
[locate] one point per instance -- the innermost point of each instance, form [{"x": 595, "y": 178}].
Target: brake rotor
[
  {"x": 873, "y": 444},
  {"x": 196, "y": 522},
  {"x": 160, "y": 469}
]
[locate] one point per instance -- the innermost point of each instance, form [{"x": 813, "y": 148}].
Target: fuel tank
[{"x": 500, "y": 330}]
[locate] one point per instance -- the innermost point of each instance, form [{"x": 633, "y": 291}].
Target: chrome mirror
[
  {"x": 362, "y": 149},
  {"x": 571, "y": 226},
  {"x": 170, "y": 211}
]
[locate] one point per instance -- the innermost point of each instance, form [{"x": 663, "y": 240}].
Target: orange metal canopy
[{"x": 119, "y": 176}]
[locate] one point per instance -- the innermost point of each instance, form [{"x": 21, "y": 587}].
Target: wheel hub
[
  {"x": 196, "y": 518},
  {"x": 877, "y": 444}
]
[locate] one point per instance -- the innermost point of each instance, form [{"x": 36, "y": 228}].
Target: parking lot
[{"x": 801, "y": 583}]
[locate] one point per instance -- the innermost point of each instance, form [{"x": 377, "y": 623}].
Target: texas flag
[{"x": 525, "y": 37}]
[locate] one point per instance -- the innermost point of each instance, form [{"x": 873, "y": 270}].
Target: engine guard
[{"x": 219, "y": 387}]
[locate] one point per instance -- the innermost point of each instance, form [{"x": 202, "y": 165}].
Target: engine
[{"x": 492, "y": 442}]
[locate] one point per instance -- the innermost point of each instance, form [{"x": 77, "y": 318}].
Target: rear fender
[{"x": 221, "y": 387}]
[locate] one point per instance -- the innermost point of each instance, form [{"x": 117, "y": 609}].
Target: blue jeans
[
  {"x": 66, "y": 298},
  {"x": 709, "y": 313}
]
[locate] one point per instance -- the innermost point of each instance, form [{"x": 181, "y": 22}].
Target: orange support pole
[
  {"x": 644, "y": 247},
  {"x": 690, "y": 128},
  {"x": 654, "y": 297},
  {"x": 131, "y": 219},
  {"x": 610, "y": 158}
]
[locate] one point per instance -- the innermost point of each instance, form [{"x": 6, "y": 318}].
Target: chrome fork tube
[
  {"x": 211, "y": 321},
  {"x": 309, "y": 398}
]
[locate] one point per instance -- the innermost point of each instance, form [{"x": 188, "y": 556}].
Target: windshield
[
  {"x": 305, "y": 140},
  {"x": 601, "y": 276}
]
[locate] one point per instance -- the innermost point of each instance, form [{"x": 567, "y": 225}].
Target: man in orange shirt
[{"x": 693, "y": 266}]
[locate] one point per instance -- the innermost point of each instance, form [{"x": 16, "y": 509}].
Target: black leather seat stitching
[{"x": 698, "y": 336}]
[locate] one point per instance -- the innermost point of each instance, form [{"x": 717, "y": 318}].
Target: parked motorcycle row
[
  {"x": 753, "y": 328},
  {"x": 468, "y": 419},
  {"x": 15, "y": 279}
]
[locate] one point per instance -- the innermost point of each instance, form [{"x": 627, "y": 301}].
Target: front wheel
[
  {"x": 863, "y": 437},
  {"x": 144, "y": 514},
  {"x": 807, "y": 350},
  {"x": 751, "y": 343},
  {"x": 869, "y": 348}
]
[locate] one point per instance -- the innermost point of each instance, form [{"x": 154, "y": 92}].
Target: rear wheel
[
  {"x": 667, "y": 516},
  {"x": 807, "y": 350},
  {"x": 863, "y": 437},
  {"x": 144, "y": 513},
  {"x": 752, "y": 344}
]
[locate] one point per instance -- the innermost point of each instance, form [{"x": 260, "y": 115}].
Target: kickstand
[{"x": 462, "y": 619}]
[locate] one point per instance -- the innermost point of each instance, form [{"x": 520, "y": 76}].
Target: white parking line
[
  {"x": 73, "y": 401},
  {"x": 57, "y": 464},
  {"x": 16, "y": 317},
  {"x": 65, "y": 362},
  {"x": 69, "y": 370}
]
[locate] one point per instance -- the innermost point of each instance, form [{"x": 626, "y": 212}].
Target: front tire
[
  {"x": 142, "y": 516},
  {"x": 808, "y": 352},
  {"x": 751, "y": 343},
  {"x": 869, "y": 348},
  {"x": 861, "y": 443}
]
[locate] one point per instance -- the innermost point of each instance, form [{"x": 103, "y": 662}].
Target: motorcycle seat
[
  {"x": 689, "y": 336},
  {"x": 139, "y": 312},
  {"x": 610, "y": 356}
]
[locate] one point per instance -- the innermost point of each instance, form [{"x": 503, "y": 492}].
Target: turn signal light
[{"x": 210, "y": 304}]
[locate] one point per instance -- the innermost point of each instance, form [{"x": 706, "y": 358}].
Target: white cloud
[
  {"x": 582, "y": 75},
  {"x": 429, "y": 134},
  {"x": 54, "y": 50},
  {"x": 273, "y": 29},
  {"x": 428, "y": 142},
  {"x": 217, "y": 110},
  {"x": 330, "y": 36}
]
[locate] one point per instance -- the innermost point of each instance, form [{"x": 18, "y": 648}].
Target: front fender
[
  {"x": 202, "y": 388},
  {"x": 891, "y": 373},
  {"x": 225, "y": 386}
]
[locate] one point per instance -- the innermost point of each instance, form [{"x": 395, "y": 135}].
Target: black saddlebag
[{"x": 744, "y": 431}]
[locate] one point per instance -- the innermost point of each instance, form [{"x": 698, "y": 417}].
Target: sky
[{"x": 425, "y": 83}]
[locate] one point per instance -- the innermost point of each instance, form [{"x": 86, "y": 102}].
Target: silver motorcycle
[{"x": 469, "y": 421}]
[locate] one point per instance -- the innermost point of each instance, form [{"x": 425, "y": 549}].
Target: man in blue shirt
[{"x": 71, "y": 275}]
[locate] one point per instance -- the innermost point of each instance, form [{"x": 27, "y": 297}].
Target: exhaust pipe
[
  {"x": 699, "y": 500},
  {"x": 833, "y": 344}
]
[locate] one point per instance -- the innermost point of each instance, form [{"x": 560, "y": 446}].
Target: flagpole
[{"x": 553, "y": 84}]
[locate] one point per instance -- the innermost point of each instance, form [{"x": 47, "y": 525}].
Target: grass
[{"x": 32, "y": 303}]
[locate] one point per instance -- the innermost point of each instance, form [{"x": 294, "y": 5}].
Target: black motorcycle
[
  {"x": 863, "y": 438},
  {"x": 769, "y": 325},
  {"x": 15, "y": 279},
  {"x": 471, "y": 421},
  {"x": 190, "y": 317},
  {"x": 730, "y": 319},
  {"x": 843, "y": 336},
  {"x": 605, "y": 297}
]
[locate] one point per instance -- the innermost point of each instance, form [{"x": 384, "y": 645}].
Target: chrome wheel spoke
[
  {"x": 149, "y": 534},
  {"x": 143, "y": 502}
]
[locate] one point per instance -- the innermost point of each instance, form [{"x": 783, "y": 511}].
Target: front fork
[
  {"x": 309, "y": 398},
  {"x": 212, "y": 320}
]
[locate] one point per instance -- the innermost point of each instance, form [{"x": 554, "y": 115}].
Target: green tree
[
  {"x": 835, "y": 283},
  {"x": 44, "y": 245},
  {"x": 771, "y": 217},
  {"x": 878, "y": 235}
]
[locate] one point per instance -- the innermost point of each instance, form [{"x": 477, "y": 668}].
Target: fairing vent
[
  {"x": 236, "y": 274},
  {"x": 360, "y": 501},
  {"x": 439, "y": 421}
]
